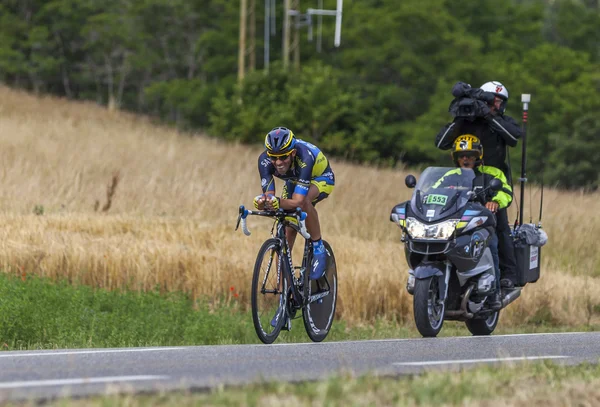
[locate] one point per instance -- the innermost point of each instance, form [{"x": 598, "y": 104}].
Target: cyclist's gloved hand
[
  {"x": 273, "y": 201},
  {"x": 259, "y": 202}
]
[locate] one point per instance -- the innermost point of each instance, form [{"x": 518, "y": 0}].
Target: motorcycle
[{"x": 447, "y": 231}]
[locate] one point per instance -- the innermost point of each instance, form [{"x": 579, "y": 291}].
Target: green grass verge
[
  {"x": 41, "y": 314},
  {"x": 536, "y": 384}
]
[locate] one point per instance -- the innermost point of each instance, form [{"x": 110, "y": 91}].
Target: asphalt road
[{"x": 48, "y": 374}]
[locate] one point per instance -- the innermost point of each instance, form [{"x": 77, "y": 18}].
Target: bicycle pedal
[{"x": 288, "y": 325}]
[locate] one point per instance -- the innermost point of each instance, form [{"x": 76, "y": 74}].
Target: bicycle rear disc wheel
[
  {"x": 268, "y": 288},
  {"x": 318, "y": 314}
]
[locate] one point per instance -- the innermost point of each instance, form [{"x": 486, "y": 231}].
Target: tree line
[{"x": 379, "y": 98}]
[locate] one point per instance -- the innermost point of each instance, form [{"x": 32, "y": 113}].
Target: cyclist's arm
[
  {"x": 302, "y": 183},
  {"x": 266, "y": 170},
  {"x": 296, "y": 201}
]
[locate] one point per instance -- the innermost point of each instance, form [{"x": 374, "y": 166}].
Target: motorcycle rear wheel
[{"x": 483, "y": 327}]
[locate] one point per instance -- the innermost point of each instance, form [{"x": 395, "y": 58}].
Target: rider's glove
[
  {"x": 484, "y": 109},
  {"x": 259, "y": 201},
  {"x": 274, "y": 201}
]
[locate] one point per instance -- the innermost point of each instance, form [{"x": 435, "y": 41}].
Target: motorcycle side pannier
[
  {"x": 528, "y": 242},
  {"x": 528, "y": 262}
]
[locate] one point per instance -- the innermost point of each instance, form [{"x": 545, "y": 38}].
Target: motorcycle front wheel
[{"x": 428, "y": 309}]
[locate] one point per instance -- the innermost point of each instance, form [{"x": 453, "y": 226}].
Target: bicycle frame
[
  {"x": 300, "y": 298},
  {"x": 295, "y": 290}
]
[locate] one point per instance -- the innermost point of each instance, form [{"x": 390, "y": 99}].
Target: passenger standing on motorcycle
[
  {"x": 468, "y": 153},
  {"x": 487, "y": 121},
  {"x": 308, "y": 180}
]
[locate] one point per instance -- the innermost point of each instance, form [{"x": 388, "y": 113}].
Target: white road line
[
  {"x": 453, "y": 362},
  {"x": 491, "y": 337},
  {"x": 516, "y": 335},
  {"x": 87, "y": 380},
  {"x": 84, "y": 352}
]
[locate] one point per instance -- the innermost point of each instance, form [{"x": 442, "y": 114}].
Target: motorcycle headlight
[{"x": 419, "y": 230}]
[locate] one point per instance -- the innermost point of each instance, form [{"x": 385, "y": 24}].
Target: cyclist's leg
[
  {"x": 312, "y": 217},
  {"x": 290, "y": 233},
  {"x": 319, "y": 190}
]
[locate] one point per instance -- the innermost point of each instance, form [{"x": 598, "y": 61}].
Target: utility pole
[
  {"x": 292, "y": 9},
  {"x": 247, "y": 29},
  {"x": 242, "y": 42},
  {"x": 267, "y": 32},
  {"x": 286, "y": 33},
  {"x": 296, "y": 43},
  {"x": 252, "y": 34}
]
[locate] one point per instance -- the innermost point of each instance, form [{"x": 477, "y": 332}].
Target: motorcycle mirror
[
  {"x": 410, "y": 181},
  {"x": 495, "y": 185}
]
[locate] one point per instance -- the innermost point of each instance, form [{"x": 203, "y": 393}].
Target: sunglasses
[
  {"x": 465, "y": 155},
  {"x": 282, "y": 157}
]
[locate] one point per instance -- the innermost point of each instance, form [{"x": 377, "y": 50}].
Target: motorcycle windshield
[{"x": 441, "y": 192}]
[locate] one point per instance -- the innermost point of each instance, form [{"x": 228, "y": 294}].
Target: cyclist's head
[
  {"x": 467, "y": 151},
  {"x": 280, "y": 144},
  {"x": 279, "y": 141},
  {"x": 500, "y": 92}
]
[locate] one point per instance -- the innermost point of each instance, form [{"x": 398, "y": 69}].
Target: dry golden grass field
[{"x": 173, "y": 209}]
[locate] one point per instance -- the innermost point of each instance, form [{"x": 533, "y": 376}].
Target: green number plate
[{"x": 436, "y": 199}]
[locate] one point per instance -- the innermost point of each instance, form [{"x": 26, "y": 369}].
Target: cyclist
[{"x": 308, "y": 180}]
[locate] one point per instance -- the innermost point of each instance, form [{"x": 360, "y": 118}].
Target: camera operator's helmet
[
  {"x": 280, "y": 141},
  {"x": 467, "y": 144},
  {"x": 497, "y": 89}
]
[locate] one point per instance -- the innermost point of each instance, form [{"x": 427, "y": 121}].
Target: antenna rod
[
  {"x": 525, "y": 99},
  {"x": 541, "y": 203}
]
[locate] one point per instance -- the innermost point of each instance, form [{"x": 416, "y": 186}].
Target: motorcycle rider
[
  {"x": 467, "y": 152},
  {"x": 495, "y": 130}
]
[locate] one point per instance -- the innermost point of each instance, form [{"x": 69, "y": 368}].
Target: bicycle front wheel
[
  {"x": 322, "y": 293},
  {"x": 268, "y": 286}
]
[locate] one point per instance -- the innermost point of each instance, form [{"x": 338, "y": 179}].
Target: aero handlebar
[{"x": 280, "y": 214}]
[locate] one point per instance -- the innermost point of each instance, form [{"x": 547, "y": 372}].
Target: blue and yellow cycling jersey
[{"x": 310, "y": 166}]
